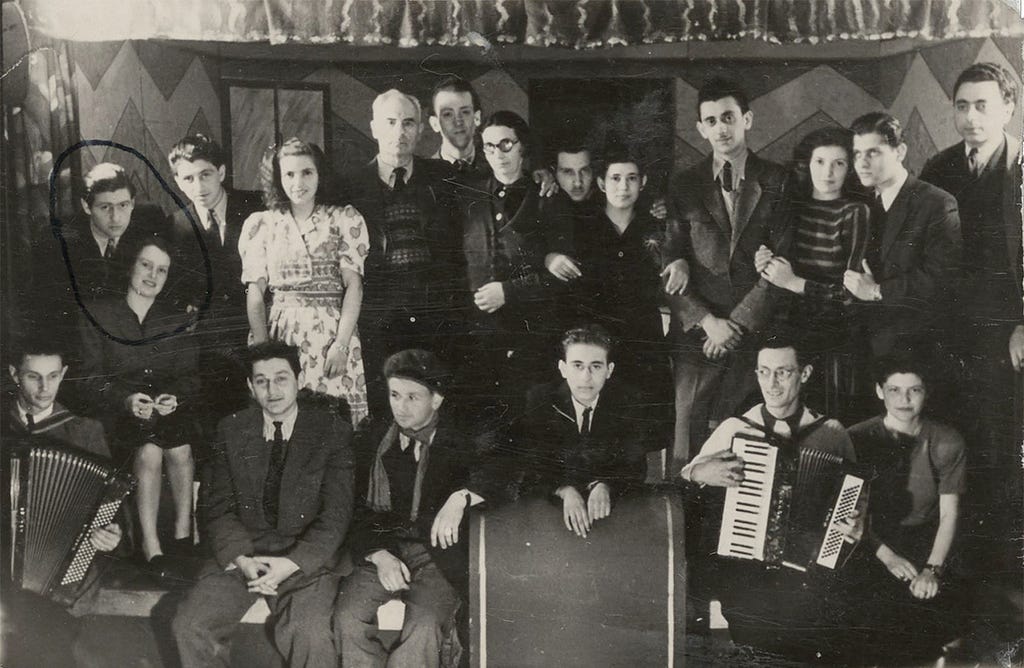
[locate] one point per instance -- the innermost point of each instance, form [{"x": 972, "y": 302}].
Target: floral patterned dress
[{"x": 302, "y": 262}]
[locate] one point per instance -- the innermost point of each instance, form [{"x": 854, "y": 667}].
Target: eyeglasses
[
  {"x": 505, "y": 145},
  {"x": 781, "y": 374}
]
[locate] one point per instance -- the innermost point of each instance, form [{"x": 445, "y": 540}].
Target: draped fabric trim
[{"x": 575, "y": 24}]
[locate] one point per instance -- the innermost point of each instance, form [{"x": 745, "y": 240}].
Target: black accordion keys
[
  {"x": 785, "y": 511},
  {"x": 58, "y": 497}
]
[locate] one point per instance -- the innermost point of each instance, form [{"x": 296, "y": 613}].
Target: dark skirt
[{"x": 171, "y": 431}]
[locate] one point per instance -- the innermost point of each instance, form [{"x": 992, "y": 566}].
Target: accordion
[
  {"x": 58, "y": 497},
  {"x": 785, "y": 511}
]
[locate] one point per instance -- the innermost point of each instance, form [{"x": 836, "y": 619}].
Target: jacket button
[
  {"x": 501, "y": 193},
  {"x": 497, "y": 216},
  {"x": 620, "y": 253}
]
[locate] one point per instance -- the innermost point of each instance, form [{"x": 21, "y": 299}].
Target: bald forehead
[{"x": 395, "y": 106}]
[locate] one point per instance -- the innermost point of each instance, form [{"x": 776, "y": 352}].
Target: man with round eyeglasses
[{"x": 793, "y": 614}]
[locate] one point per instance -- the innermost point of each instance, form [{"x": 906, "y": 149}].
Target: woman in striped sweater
[{"x": 827, "y": 234}]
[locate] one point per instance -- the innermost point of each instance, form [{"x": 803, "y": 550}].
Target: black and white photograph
[{"x": 512, "y": 333}]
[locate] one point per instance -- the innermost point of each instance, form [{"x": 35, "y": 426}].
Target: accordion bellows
[{"x": 57, "y": 498}]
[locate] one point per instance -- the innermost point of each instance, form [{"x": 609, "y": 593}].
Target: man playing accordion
[{"x": 790, "y": 609}]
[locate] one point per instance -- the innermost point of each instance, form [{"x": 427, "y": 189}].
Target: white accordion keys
[{"x": 745, "y": 515}]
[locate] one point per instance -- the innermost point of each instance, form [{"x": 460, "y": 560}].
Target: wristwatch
[{"x": 938, "y": 570}]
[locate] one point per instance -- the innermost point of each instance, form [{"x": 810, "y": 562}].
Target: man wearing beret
[{"x": 416, "y": 476}]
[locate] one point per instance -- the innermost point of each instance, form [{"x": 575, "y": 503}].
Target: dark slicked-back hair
[
  {"x": 510, "y": 119},
  {"x": 979, "y": 72},
  {"x": 784, "y": 339},
  {"x": 720, "y": 87},
  {"x": 36, "y": 344},
  {"x": 886, "y": 125},
  {"x": 570, "y": 145},
  {"x": 196, "y": 147},
  {"x": 272, "y": 350},
  {"x": 884, "y": 367},
  {"x": 592, "y": 335},
  {"x": 454, "y": 84},
  {"x": 105, "y": 177},
  {"x": 274, "y": 195},
  {"x": 831, "y": 136}
]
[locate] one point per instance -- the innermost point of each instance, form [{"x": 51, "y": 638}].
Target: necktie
[
  {"x": 726, "y": 177},
  {"x": 585, "y": 427},
  {"x": 411, "y": 450},
  {"x": 461, "y": 166},
  {"x": 30, "y": 421},
  {"x": 272, "y": 487},
  {"x": 972, "y": 161},
  {"x": 108, "y": 252},
  {"x": 399, "y": 175},
  {"x": 214, "y": 232}
]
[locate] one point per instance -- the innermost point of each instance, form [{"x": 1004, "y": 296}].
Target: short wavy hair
[
  {"x": 800, "y": 173},
  {"x": 274, "y": 196},
  {"x": 106, "y": 177}
]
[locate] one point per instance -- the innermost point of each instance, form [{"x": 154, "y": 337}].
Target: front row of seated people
[{"x": 327, "y": 526}]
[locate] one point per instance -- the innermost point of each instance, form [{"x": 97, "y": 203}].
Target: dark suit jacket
[
  {"x": 454, "y": 464},
  {"x": 85, "y": 270},
  {"x": 948, "y": 170},
  {"x": 185, "y": 231},
  {"x": 363, "y": 189},
  {"x": 556, "y": 454},
  {"x": 316, "y": 490},
  {"x": 914, "y": 255},
  {"x": 62, "y": 427},
  {"x": 723, "y": 281},
  {"x": 510, "y": 252}
]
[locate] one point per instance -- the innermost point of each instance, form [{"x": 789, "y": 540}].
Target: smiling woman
[{"x": 311, "y": 256}]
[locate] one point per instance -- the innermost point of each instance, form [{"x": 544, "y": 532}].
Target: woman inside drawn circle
[
  {"x": 141, "y": 365},
  {"x": 311, "y": 257}
]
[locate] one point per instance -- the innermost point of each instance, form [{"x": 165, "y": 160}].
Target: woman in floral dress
[{"x": 311, "y": 257}]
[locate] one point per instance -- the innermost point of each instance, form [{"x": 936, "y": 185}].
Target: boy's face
[
  {"x": 877, "y": 163},
  {"x": 454, "y": 118},
  {"x": 38, "y": 378},
  {"x": 980, "y": 112},
  {"x": 201, "y": 181},
  {"x": 574, "y": 174},
  {"x": 903, "y": 395},
  {"x": 413, "y": 404},
  {"x": 724, "y": 125},
  {"x": 274, "y": 386},
  {"x": 586, "y": 369},
  {"x": 110, "y": 212}
]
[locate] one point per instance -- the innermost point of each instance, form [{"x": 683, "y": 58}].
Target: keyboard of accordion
[
  {"x": 786, "y": 510},
  {"x": 58, "y": 498}
]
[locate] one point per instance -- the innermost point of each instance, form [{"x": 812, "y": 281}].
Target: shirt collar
[
  {"x": 287, "y": 424},
  {"x": 579, "y": 408},
  {"x": 454, "y": 157},
  {"x": 101, "y": 240},
  {"x": 739, "y": 167},
  {"x": 384, "y": 171},
  {"x": 220, "y": 209},
  {"x": 892, "y": 191},
  {"x": 985, "y": 152},
  {"x": 36, "y": 417},
  {"x": 403, "y": 442},
  {"x": 793, "y": 421}
]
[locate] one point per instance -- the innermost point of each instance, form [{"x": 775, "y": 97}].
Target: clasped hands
[
  {"x": 263, "y": 574},
  {"x": 578, "y": 515},
  {"x": 923, "y": 584},
  {"x": 141, "y": 405}
]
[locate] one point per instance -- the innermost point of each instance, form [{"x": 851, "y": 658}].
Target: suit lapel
[
  {"x": 254, "y": 452},
  {"x": 750, "y": 194},
  {"x": 896, "y": 217},
  {"x": 563, "y": 405},
  {"x": 713, "y": 200}
]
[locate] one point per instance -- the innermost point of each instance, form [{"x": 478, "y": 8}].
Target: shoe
[{"x": 181, "y": 547}]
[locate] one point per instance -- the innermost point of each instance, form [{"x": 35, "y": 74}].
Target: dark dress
[{"x": 121, "y": 356}]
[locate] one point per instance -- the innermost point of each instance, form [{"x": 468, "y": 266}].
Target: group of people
[{"x": 355, "y": 362}]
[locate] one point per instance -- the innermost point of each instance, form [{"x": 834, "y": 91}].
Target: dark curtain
[
  {"x": 38, "y": 124},
  {"x": 577, "y": 24}
]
